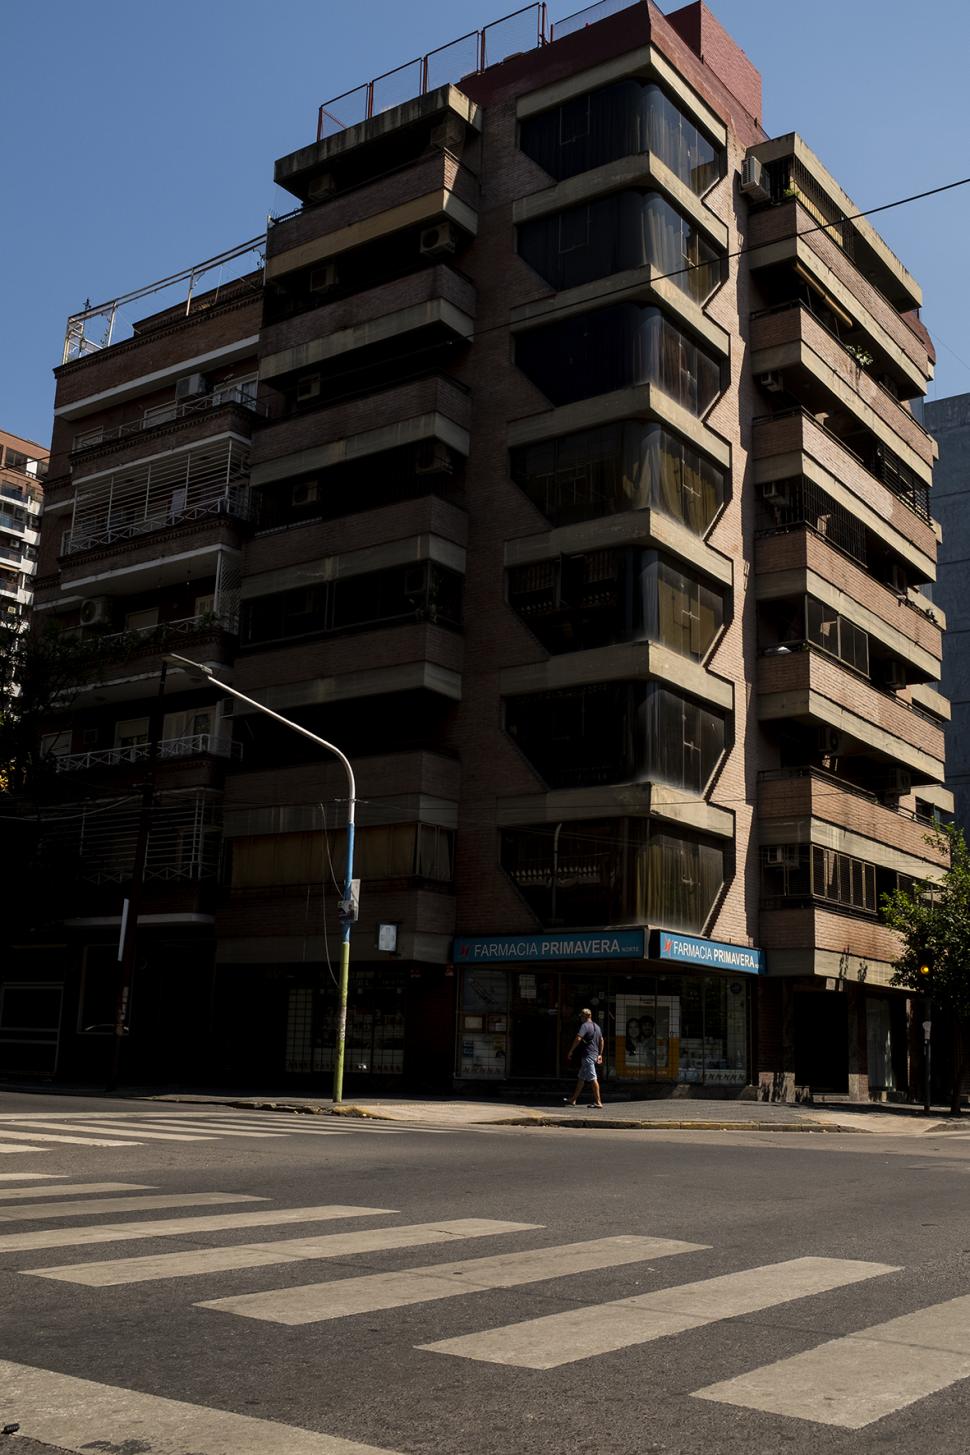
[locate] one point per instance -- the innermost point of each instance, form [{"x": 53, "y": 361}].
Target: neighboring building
[
  {"x": 948, "y": 421},
  {"x": 23, "y": 467},
  {"x": 583, "y": 506}
]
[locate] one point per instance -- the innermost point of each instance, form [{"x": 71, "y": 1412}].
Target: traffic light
[{"x": 924, "y": 964}]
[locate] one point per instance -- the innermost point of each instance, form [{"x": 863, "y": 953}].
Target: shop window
[
  {"x": 375, "y": 1025},
  {"x": 100, "y": 979},
  {"x": 626, "y": 119},
  {"x": 613, "y": 234},
  {"x": 615, "y": 348}
]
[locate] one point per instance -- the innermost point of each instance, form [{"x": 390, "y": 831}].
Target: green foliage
[
  {"x": 933, "y": 920},
  {"x": 41, "y": 668}
]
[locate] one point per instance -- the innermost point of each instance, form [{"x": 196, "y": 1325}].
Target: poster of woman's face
[{"x": 643, "y": 1037}]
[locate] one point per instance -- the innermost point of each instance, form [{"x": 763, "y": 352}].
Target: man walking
[{"x": 589, "y": 1038}]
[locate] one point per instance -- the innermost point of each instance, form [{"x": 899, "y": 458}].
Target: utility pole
[{"x": 127, "y": 940}]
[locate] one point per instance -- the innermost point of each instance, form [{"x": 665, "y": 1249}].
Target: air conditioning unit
[
  {"x": 324, "y": 278},
  {"x": 432, "y": 458},
  {"x": 308, "y": 387},
  {"x": 324, "y": 184},
  {"x": 190, "y": 387},
  {"x": 753, "y": 180},
  {"x": 782, "y": 856},
  {"x": 96, "y": 611},
  {"x": 896, "y": 676},
  {"x": 772, "y": 381},
  {"x": 896, "y": 579},
  {"x": 829, "y": 741},
  {"x": 416, "y": 580},
  {"x": 439, "y": 240},
  {"x": 775, "y": 492},
  {"x": 305, "y": 492},
  {"x": 899, "y": 782}
]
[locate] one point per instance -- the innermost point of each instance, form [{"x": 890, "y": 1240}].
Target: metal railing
[
  {"x": 465, "y": 56},
  {"x": 97, "y": 843},
  {"x": 580, "y": 19},
  {"x": 151, "y": 638},
  {"x": 90, "y": 438},
  {"x": 213, "y": 745},
  {"x": 231, "y": 502}
]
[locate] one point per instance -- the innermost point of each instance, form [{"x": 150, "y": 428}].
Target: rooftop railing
[{"x": 522, "y": 30}]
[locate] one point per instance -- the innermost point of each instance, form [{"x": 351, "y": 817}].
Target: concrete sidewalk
[{"x": 653, "y": 1114}]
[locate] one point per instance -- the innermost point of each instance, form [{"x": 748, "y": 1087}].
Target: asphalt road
[{"x": 124, "y": 1270}]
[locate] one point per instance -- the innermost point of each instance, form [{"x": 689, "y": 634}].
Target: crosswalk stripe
[
  {"x": 71, "y": 1189},
  {"x": 8, "y": 1147},
  {"x": 313, "y": 1303},
  {"x": 115, "y": 1271},
  {"x": 142, "y": 1131},
  {"x": 246, "y": 1129},
  {"x": 175, "y": 1227},
  {"x": 563, "y": 1338},
  {"x": 81, "y": 1415},
  {"x": 37, "y": 1211},
  {"x": 28, "y": 1176},
  {"x": 188, "y": 1126},
  {"x": 851, "y": 1382},
  {"x": 32, "y": 1136},
  {"x": 292, "y": 1127}
]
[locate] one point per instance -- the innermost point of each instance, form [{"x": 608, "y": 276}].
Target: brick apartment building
[{"x": 559, "y": 466}]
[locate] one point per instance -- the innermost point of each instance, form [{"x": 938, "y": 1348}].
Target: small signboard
[
  {"x": 521, "y": 949},
  {"x": 709, "y": 954}
]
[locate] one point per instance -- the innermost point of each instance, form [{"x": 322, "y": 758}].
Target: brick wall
[
  {"x": 791, "y": 799},
  {"x": 299, "y": 544}
]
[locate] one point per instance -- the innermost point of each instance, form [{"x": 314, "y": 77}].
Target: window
[
  {"x": 573, "y": 603},
  {"x": 614, "y": 871},
  {"x": 426, "y": 592},
  {"x": 793, "y": 872},
  {"x": 136, "y": 621},
  {"x": 621, "y": 732},
  {"x": 55, "y": 745},
  {"x": 837, "y": 635},
  {"x": 613, "y": 234},
  {"x": 614, "y": 348},
  {"x": 14, "y": 459},
  {"x": 393, "y": 851},
  {"x": 308, "y": 387},
  {"x": 131, "y": 733},
  {"x": 622, "y": 120}
]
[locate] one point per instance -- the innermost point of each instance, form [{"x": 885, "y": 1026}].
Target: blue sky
[{"x": 136, "y": 139}]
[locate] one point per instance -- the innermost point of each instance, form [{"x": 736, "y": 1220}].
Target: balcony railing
[
  {"x": 831, "y": 782},
  {"x": 167, "y": 414},
  {"x": 234, "y": 503},
  {"x": 150, "y": 638},
  {"x": 212, "y": 745},
  {"x": 97, "y": 842}
]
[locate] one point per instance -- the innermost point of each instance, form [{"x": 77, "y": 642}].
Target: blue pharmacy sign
[
  {"x": 522, "y": 949},
  {"x": 713, "y": 954}
]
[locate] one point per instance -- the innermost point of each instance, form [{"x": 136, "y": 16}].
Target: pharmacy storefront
[{"x": 673, "y": 1008}]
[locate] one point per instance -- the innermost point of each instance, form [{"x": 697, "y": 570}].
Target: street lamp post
[{"x": 348, "y": 905}]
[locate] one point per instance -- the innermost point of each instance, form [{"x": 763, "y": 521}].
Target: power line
[{"x": 611, "y": 293}]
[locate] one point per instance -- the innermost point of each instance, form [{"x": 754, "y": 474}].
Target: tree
[
  {"x": 932, "y": 919},
  {"x": 41, "y": 670}
]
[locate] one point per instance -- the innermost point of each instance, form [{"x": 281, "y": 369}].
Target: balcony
[
  {"x": 789, "y": 232},
  {"x": 402, "y": 658},
  {"x": 96, "y": 843},
  {"x": 814, "y": 939},
  {"x": 793, "y": 170},
  {"x": 437, "y": 186},
  {"x": 798, "y": 561},
  {"x": 229, "y": 410},
  {"x": 794, "y": 443},
  {"x": 435, "y": 304},
  {"x": 812, "y": 688},
  {"x": 793, "y": 796},
  {"x": 433, "y": 408},
  {"x": 822, "y": 374},
  {"x": 199, "y": 745}
]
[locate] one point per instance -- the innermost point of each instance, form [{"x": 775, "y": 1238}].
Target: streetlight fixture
[{"x": 349, "y": 904}]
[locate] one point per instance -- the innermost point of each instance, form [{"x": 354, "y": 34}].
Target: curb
[{"x": 694, "y": 1126}]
